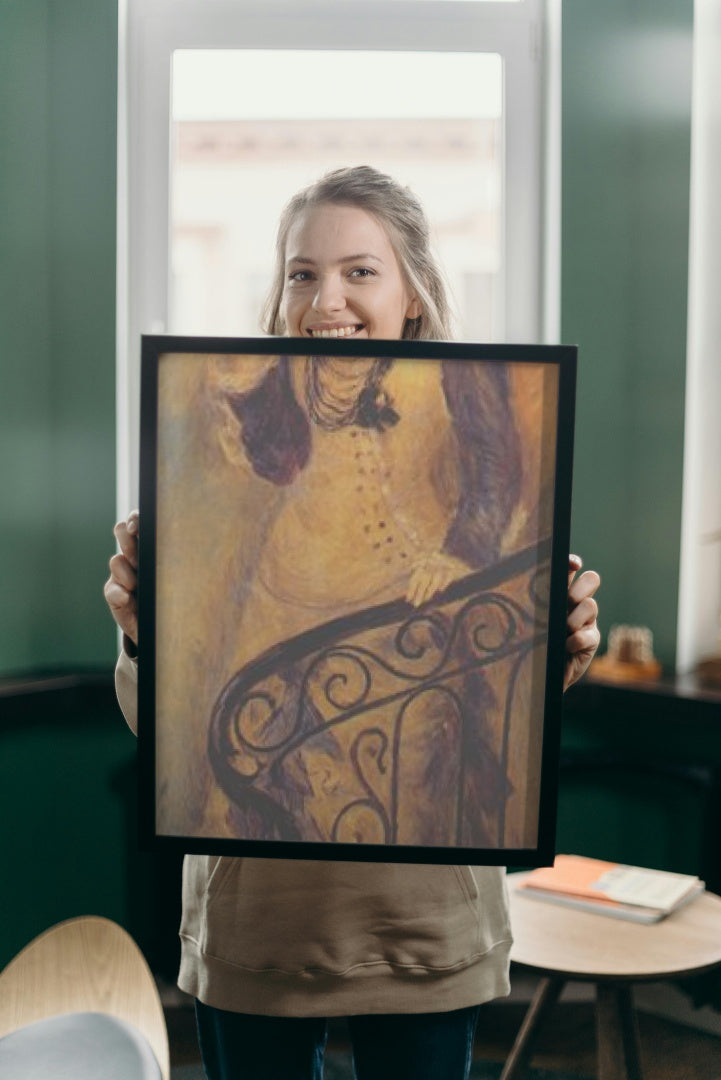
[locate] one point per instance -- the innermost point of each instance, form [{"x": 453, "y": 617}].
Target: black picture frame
[{"x": 458, "y": 758}]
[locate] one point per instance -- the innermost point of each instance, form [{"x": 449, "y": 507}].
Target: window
[
  {"x": 236, "y": 159},
  {"x": 227, "y": 107}
]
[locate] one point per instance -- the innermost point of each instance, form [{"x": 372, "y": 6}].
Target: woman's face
[{"x": 342, "y": 277}]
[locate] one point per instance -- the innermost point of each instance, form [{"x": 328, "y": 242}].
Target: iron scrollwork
[{"x": 392, "y": 725}]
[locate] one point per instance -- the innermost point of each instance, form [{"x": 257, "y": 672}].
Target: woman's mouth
[{"x": 335, "y": 331}]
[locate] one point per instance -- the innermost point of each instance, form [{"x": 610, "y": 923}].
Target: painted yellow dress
[{"x": 368, "y": 506}]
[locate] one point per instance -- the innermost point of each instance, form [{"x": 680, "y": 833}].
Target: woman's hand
[
  {"x": 432, "y": 575},
  {"x": 582, "y": 637},
  {"x": 121, "y": 587}
]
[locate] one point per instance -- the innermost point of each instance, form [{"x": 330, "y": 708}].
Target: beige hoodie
[{"x": 286, "y": 937}]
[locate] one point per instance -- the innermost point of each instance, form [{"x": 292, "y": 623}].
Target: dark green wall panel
[
  {"x": 626, "y": 145},
  {"x": 58, "y": 77},
  {"x": 641, "y": 777},
  {"x": 69, "y": 802},
  {"x": 82, "y": 217},
  {"x": 26, "y": 490},
  {"x": 61, "y": 787}
]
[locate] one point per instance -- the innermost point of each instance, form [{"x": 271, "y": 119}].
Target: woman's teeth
[{"x": 337, "y": 331}]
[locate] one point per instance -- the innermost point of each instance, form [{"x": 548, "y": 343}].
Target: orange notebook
[{"x": 630, "y": 892}]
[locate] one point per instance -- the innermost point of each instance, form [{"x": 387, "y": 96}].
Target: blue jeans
[{"x": 414, "y": 1046}]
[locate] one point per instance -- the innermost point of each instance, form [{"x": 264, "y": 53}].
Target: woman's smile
[{"x": 335, "y": 331}]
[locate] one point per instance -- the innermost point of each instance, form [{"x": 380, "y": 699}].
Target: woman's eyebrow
[{"x": 361, "y": 257}]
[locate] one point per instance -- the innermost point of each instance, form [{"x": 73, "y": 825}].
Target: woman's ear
[{"x": 415, "y": 309}]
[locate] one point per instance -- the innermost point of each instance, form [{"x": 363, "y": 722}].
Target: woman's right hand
[{"x": 121, "y": 587}]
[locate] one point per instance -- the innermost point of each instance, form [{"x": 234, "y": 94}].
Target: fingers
[
  {"x": 419, "y": 587},
  {"x": 123, "y": 608},
  {"x": 582, "y": 633},
  {"x": 126, "y": 534},
  {"x": 585, "y": 640},
  {"x": 121, "y": 587},
  {"x": 120, "y": 601},
  {"x": 581, "y": 649},
  {"x": 584, "y": 586},
  {"x": 584, "y": 613},
  {"x": 575, "y": 562},
  {"x": 414, "y": 592},
  {"x": 425, "y": 584},
  {"x": 123, "y": 572},
  {"x": 432, "y": 575}
]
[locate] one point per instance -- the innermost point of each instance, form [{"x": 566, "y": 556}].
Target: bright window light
[{"x": 432, "y": 120}]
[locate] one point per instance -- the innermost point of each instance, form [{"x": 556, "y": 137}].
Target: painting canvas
[{"x": 353, "y": 568}]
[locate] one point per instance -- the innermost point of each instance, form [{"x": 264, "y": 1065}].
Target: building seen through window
[{"x": 235, "y": 163}]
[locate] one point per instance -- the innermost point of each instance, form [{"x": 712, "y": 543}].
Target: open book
[{"x": 608, "y": 888}]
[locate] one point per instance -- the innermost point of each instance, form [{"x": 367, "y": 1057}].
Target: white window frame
[
  {"x": 699, "y": 597},
  {"x": 526, "y": 34}
]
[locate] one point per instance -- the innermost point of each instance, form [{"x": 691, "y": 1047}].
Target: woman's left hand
[{"x": 582, "y": 633}]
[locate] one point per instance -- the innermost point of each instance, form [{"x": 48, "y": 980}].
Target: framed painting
[{"x": 352, "y": 597}]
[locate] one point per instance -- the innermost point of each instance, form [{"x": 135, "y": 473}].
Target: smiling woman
[{"x": 353, "y": 731}]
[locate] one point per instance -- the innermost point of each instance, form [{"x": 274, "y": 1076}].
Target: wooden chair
[{"x": 82, "y": 985}]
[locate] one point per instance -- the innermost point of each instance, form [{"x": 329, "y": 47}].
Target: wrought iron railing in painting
[{"x": 394, "y": 725}]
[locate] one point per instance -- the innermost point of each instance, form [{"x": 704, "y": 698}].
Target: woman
[{"x": 270, "y": 949}]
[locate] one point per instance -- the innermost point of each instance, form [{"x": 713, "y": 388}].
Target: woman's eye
[
  {"x": 300, "y": 276},
  {"x": 362, "y": 272}
]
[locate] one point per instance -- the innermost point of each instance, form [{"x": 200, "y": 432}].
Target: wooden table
[{"x": 563, "y": 944}]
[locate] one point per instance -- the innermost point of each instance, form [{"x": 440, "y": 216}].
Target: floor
[{"x": 669, "y": 1051}]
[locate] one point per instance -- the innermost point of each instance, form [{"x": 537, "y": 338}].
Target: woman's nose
[{"x": 329, "y": 296}]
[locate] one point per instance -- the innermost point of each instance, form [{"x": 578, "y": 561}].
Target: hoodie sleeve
[{"x": 126, "y": 688}]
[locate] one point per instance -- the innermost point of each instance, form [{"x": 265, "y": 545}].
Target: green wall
[
  {"x": 626, "y": 145},
  {"x": 58, "y": 72}
]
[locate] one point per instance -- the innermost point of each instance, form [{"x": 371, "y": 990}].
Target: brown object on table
[
  {"x": 625, "y": 671},
  {"x": 630, "y": 656},
  {"x": 565, "y": 945}
]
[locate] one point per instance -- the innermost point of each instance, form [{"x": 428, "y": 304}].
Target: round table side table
[{"x": 564, "y": 944}]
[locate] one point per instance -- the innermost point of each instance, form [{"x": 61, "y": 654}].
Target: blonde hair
[{"x": 403, "y": 217}]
